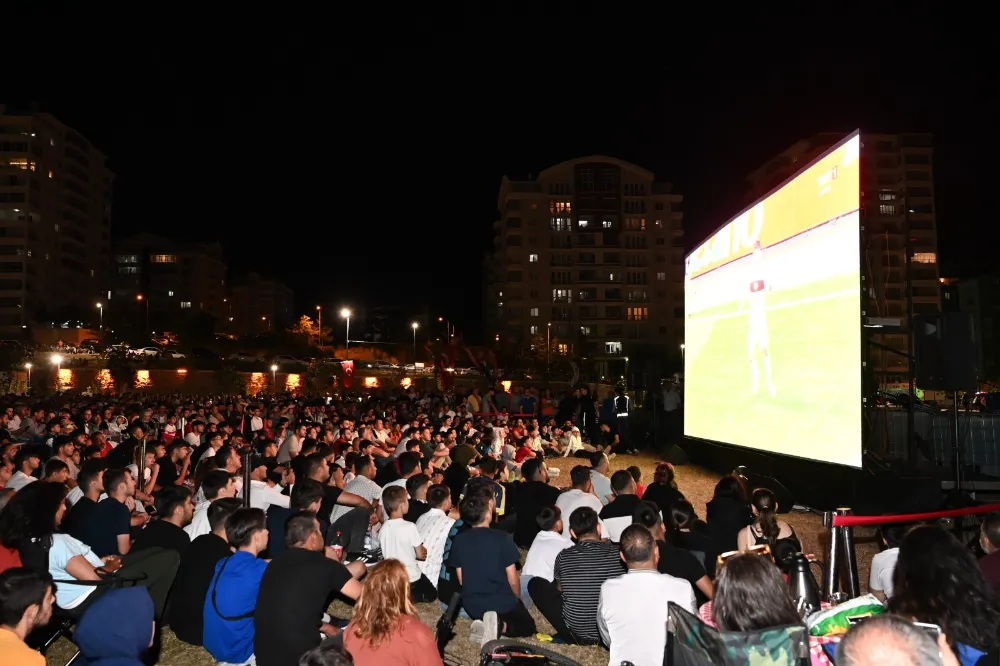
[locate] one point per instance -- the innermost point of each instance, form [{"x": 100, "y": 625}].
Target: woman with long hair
[
  {"x": 766, "y": 528},
  {"x": 751, "y": 595},
  {"x": 938, "y": 580},
  {"x": 385, "y": 629},
  {"x": 663, "y": 490},
  {"x": 728, "y": 512}
]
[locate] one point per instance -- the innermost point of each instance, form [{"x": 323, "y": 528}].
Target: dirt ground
[{"x": 697, "y": 485}]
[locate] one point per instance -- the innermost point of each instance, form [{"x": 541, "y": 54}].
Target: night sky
[{"x": 372, "y": 177}]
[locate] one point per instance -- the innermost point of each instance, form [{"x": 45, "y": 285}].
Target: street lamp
[
  {"x": 100, "y": 308},
  {"x": 346, "y": 314},
  {"x": 28, "y": 368},
  {"x": 140, "y": 299},
  {"x": 319, "y": 323},
  {"x": 548, "y": 348},
  {"x": 274, "y": 377},
  {"x": 414, "y": 326},
  {"x": 682, "y": 353},
  {"x": 264, "y": 318},
  {"x": 57, "y": 360},
  {"x": 448, "y": 328}
]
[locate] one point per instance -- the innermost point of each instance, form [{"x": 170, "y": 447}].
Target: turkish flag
[{"x": 348, "y": 368}]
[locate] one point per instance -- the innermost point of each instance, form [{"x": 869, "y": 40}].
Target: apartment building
[
  {"x": 258, "y": 305},
  {"x": 592, "y": 252},
  {"x": 55, "y": 224},
  {"x": 897, "y": 184},
  {"x": 173, "y": 277}
]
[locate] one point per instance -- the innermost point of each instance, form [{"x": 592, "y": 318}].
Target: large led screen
[{"x": 772, "y": 348}]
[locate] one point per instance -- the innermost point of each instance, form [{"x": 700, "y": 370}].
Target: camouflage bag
[{"x": 691, "y": 642}]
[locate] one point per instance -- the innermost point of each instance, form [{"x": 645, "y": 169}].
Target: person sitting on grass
[{"x": 401, "y": 541}]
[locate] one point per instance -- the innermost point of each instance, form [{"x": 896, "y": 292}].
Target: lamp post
[
  {"x": 319, "y": 323},
  {"x": 100, "y": 309},
  {"x": 346, "y": 314},
  {"x": 414, "y": 326},
  {"x": 230, "y": 304},
  {"x": 268, "y": 320},
  {"x": 548, "y": 348},
  {"x": 140, "y": 299},
  {"x": 274, "y": 377},
  {"x": 28, "y": 368},
  {"x": 448, "y": 328},
  {"x": 682, "y": 354},
  {"x": 57, "y": 360}
]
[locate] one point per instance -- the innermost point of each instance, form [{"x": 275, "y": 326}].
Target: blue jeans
[{"x": 525, "y": 597}]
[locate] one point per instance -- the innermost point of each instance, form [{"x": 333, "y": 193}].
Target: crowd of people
[{"x": 236, "y": 523}]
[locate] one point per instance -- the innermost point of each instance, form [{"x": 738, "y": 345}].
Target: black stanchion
[
  {"x": 850, "y": 557},
  {"x": 840, "y": 554},
  {"x": 246, "y": 479},
  {"x": 831, "y": 568}
]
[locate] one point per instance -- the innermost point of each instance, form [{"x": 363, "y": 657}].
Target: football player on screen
[{"x": 757, "y": 338}]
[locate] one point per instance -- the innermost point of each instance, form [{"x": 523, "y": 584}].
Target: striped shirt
[{"x": 580, "y": 572}]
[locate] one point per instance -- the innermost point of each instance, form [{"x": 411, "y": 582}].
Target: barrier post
[
  {"x": 246, "y": 478},
  {"x": 850, "y": 557},
  {"x": 832, "y": 566}
]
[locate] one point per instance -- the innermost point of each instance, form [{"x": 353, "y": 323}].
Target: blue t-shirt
[
  {"x": 483, "y": 555},
  {"x": 231, "y": 640}
]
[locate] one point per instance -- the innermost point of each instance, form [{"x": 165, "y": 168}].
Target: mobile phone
[{"x": 932, "y": 629}]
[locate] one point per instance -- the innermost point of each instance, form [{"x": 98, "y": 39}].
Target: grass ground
[
  {"x": 696, "y": 483},
  {"x": 814, "y": 338}
]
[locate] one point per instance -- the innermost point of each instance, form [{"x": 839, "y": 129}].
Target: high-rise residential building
[
  {"x": 258, "y": 305},
  {"x": 898, "y": 212},
  {"x": 55, "y": 224},
  {"x": 593, "y": 248},
  {"x": 172, "y": 277}
]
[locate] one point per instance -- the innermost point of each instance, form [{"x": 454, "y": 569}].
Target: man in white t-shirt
[
  {"x": 400, "y": 540},
  {"x": 884, "y": 563},
  {"x": 548, "y": 543},
  {"x": 580, "y": 495}
]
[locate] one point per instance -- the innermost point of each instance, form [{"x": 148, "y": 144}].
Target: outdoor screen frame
[{"x": 858, "y": 397}]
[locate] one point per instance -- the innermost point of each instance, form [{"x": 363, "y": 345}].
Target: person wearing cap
[{"x": 265, "y": 484}]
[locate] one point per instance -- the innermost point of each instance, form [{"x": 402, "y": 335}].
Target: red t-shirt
[{"x": 413, "y": 644}]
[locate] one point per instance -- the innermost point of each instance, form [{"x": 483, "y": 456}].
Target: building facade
[
  {"x": 592, "y": 253},
  {"x": 258, "y": 305},
  {"x": 173, "y": 278},
  {"x": 55, "y": 224},
  {"x": 897, "y": 185}
]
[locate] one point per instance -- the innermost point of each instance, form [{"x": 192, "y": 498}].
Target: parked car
[
  {"x": 244, "y": 357},
  {"x": 285, "y": 359},
  {"x": 172, "y": 353},
  {"x": 153, "y": 352}
]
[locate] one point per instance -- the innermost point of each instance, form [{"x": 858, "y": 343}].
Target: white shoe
[
  {"x": 612, "y": 456},
  {"x": 477, "y": 632},
  {"x": 491, "y": 628}
]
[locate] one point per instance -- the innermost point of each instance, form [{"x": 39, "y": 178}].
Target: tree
[{"x": 308, "y": 331}]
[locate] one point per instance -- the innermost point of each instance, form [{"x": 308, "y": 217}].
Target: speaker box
[
  {"x": 675, "y": 455},
  {"x": 754, "y": 480},
  {"x": 945, "y": 352}
]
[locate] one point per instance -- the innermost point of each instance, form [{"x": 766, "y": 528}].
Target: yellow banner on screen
[{"x": 828, "y": 189}]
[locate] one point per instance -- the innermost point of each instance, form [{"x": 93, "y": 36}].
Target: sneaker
[
  {"x": 612, "y": 456},
  {"x": 490, "y": 627},
  {"x": 477, "y": 632},
  {"x": 553, "y": 472}
]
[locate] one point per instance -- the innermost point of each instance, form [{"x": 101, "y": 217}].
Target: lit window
[
  {"x": 584, "y": 330},
  {"x": 613, "y": 347},
  {"x": 661, "y": 276},
  {"x": 925, "y": 257},
  {"x": 532, "y": 258},
  {"x": 533, "y": 330},
  {"x": 583, "y": 223},
  {"x": 164, "y": 259},
  {"x": 562, "y": 348},
  {"x": 533, "y": 312},
  {"x": 128, "y": 258},
  {"x": 185, "y": 304},
  {"x": 638, "y": 314},
  {"x": 50, "y": 173},
  {"x": 170, "y": 293}
]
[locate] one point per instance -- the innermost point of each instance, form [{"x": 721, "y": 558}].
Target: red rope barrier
[{"x": 855, "y": 521}]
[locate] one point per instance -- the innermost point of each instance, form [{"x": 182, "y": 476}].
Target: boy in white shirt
[{"x": 400, "y": 540}]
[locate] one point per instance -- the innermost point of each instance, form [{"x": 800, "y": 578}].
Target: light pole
[
  {"x": 319, "y": 323},
  {"x": 230, "y": 304},
  {"x": 28, "y": 367},
  {"x": 682, "y": 354},
  {"x": 265, "y": 318},
  {"x": 140, "y": 299},
  {"x": 346, "y": 314},
  {"x": 274, "y": 377},
  {"x": 448, "y": 328},
  {"x": 414, "y": 326},
  {"x": 548, "y": 348},
  {"x": 100, "y": 309}
]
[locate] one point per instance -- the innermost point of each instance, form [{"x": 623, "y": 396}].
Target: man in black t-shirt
[
  {"x": 91, "y": 483},
  {"x": 174, "y": 510},
  {"x": 187, "y": 598},
  {"x": 106, "y": 529},
  {"x": 533, "y": 494},
  {"x": 295, "y": 591},
  {"x": 173, "y": 467},
  {"x": 674, "y": 561}
]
